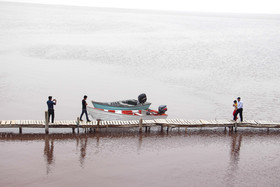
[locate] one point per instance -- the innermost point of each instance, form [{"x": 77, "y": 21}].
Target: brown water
[{"x": 195, "y": 158}]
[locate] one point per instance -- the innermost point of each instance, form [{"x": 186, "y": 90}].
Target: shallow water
[{"x": 194, "y": 63}]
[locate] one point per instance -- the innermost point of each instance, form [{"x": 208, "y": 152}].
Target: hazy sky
[{"x": 238, "y": 6}]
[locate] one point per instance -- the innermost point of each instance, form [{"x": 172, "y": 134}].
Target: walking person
[
  {"x": 50, "y": 104},
  {"x": 239, "y": 109},
  {"x": 84, "y": 109}
]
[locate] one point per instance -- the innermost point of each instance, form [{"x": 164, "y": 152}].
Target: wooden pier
[{"x": 147, "y": 124}]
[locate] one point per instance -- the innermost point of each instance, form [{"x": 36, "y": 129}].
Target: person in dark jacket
[
  {"x": 50, "y": 104},
  {"x": 84, "y": 109}
]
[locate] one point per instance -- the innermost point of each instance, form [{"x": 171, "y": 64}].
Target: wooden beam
[
  {"x": 98, "y": 123},
  {"x": 78, "y": 125},
  {"x": 46, "y": 122},
  {"x": 140, "y": 124}
]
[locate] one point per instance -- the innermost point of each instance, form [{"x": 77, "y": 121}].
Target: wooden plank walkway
[{"x": 168, "y": 123}]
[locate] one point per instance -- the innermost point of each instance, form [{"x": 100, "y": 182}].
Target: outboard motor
[
  {"x": 142, "y": 98},
  {"x": 162, "y": 109}
]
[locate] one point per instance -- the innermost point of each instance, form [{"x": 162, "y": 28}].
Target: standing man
[
  {"x": 239, "y": 109},
  {"x": 50, "y": 104},
  {"x": 84, "y": 109}
]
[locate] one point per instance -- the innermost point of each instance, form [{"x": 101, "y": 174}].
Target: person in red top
[
  {"x": 239, "y": 109},
  {"x": 84, "y": 109},
  {"x": 235, "y": 109}
]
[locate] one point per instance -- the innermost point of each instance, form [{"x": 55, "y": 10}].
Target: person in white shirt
[{"x": 239, "y": 109}]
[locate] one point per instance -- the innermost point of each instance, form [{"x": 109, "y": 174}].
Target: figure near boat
[
  {"x": 84, "y": 109},
  {"x": 238, "y": 109}
]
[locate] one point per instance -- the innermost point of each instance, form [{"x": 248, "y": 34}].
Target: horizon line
[{"x": 141, "y": 9}]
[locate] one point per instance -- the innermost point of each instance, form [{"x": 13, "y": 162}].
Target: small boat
[
  {"x": 104, "y": 114},
  {"x": 131, "y": 104}
]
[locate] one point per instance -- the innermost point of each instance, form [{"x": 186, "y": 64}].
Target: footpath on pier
[{"x": 147, "y": 124}]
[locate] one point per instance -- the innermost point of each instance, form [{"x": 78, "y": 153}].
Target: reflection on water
[
  {"x": 236, "y": 140},
  {"x": 83, "y": 147},
  {"x": 235, "y": 149},
  {"x": 104, "y": 151},
  {"x": 48, "y": 153}
]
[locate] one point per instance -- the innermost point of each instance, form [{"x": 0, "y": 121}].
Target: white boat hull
[{"x": 107, "y": 116}]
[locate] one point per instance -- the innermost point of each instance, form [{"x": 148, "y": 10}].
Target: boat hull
[
  {"x": 117, "y": 106},
  {"x": 109, "y": 115}
]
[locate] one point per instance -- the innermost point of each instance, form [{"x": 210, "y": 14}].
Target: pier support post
[
  {"x": 235, "y": 127},
  {"x": 78, "y": 125},
  {"x": 73, "y": 130},
  {"x": 46, "y": 122},
  {"x": 20, "y": 130},
  {"x": 140, "y": 124},
  {"x": 98, "y": 123}
]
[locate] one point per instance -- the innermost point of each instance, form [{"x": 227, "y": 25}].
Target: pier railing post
[
  {"x": 98, "y": 124},
  {"x": 235, "y": 126},
  {"x": 46, "y": 122},
  {"x": 78, "y": 125},
  {"x": 140, "y": 124}
]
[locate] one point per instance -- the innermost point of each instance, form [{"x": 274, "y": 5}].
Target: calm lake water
[
  {"x": 195, "y": 158},
  {"x": 195, "y": 63}
]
